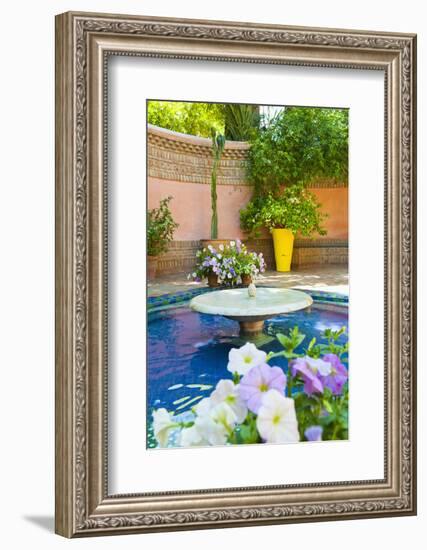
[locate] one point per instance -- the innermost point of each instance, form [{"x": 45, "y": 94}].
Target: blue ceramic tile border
[{"x": 179, "y": 298}]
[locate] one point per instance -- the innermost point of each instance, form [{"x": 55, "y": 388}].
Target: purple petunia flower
[
  {"x": 317, "y": 374},
  {"x": 338, "y": 375},
  {"x": 312, "y": 383},
  {"x": 314, "y": 433},
  {"x": 259, "y": 380}
]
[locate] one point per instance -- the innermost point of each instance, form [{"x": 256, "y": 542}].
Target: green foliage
[
  {"x": 241, "y": 121},
  {"x": 245, "y": 433},
  {"x": 196, "y": 119},
  {"x": 295, "y": 208},
  {"x": 332, "y": 336},
  {"x": 160, "y": 228},
  {"x": 326, "y": 410},
  {"x": 290, "y": 343},
  {"x": 218, "y": 144},
  {"x": 300, "y": 145}
]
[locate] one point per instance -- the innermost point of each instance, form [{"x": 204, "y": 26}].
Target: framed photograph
[{"x": 235, "y": 274}]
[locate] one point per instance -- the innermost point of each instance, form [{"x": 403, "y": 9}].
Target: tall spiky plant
[
  {"x": 241, "y": 121},
  {"x": 218, "y": 144}
]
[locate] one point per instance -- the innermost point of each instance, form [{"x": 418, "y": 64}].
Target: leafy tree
[
  {"x": 300, "y": 145},
  {"x": 197, "y": 119}
]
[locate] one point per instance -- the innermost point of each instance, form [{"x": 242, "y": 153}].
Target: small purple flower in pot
[
  {"x": 338, "y": 376},
  {"x": 259, "y": 380},
  {"x": 314, "y": 433}
]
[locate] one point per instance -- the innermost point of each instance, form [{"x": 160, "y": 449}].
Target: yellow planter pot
[{"x": 283, "y": 240}]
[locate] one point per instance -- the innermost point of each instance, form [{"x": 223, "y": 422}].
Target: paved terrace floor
[{"x": 331, "y": 278}]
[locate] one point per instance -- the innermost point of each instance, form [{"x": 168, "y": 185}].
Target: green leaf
[
  {"x": 328, "y": 406},
  {"x": 284, "y": 340},
  {"x": 311, "y": 344}
]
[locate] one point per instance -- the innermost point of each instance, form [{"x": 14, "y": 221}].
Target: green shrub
[
  {"x": 160, "y": 228},
  {"x": 295, "y": 208}
]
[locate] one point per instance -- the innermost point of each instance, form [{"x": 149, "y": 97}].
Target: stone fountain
[{"x": 251, "y": 306}]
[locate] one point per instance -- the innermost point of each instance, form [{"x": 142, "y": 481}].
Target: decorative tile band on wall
[
  {"x": 181, "y": 157},
  {"x": 188, "y": 159},
  {"x": 180, "y": 258}
]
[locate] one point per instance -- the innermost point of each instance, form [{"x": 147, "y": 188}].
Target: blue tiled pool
[{"x": 188, "y": 351}]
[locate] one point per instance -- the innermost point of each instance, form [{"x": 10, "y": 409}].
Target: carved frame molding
[{"x": 83, "y": 44}]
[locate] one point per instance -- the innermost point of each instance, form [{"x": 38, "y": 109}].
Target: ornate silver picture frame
[{"x": 84, "y": 42}]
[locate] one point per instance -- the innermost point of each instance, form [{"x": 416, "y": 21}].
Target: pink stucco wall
[
  {"x": 191, "y": 208},
  {"x": 334, "y": 201}
]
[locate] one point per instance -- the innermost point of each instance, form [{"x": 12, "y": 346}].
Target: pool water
[{"x": 188, "y": 351}]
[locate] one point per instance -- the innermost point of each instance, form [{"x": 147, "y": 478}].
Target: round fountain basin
[{"x": 236, "y": 303}]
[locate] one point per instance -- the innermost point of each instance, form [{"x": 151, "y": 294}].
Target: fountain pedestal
[
  {"x": 250, "y": 311},
  {"x": 251, "y": 327}
]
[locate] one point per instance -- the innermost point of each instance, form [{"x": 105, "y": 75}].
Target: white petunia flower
[
  {"x": 191, "y": 437},
  {"x": 277, "y": 421},
  {"x": 232, "y": 243},
  {"x": 162, "y": 425},
  {"x": 241, "y": 360},
  {"x": 318, "y": 366},
  {"x": 212, "y": 425},
  {"x": 203, "y": 407},
  {"x": 223, "y": 414},
  {"x": 216, "y": 417},
  {"x": 227, "y": 392},
  {"x": 215, "y": 426},
  {"x": 215, "y": 434},
  {"x": 221, "y": 247}
]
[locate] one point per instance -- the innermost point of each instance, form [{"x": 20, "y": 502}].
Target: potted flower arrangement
[
  {"x": 249, "y": 265},
  {"x": 259, "y": 402},
  {"x": 294, "y": 210},
  {"x": 160, "y": 229},
  {"x": 229, "y": 265}
]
